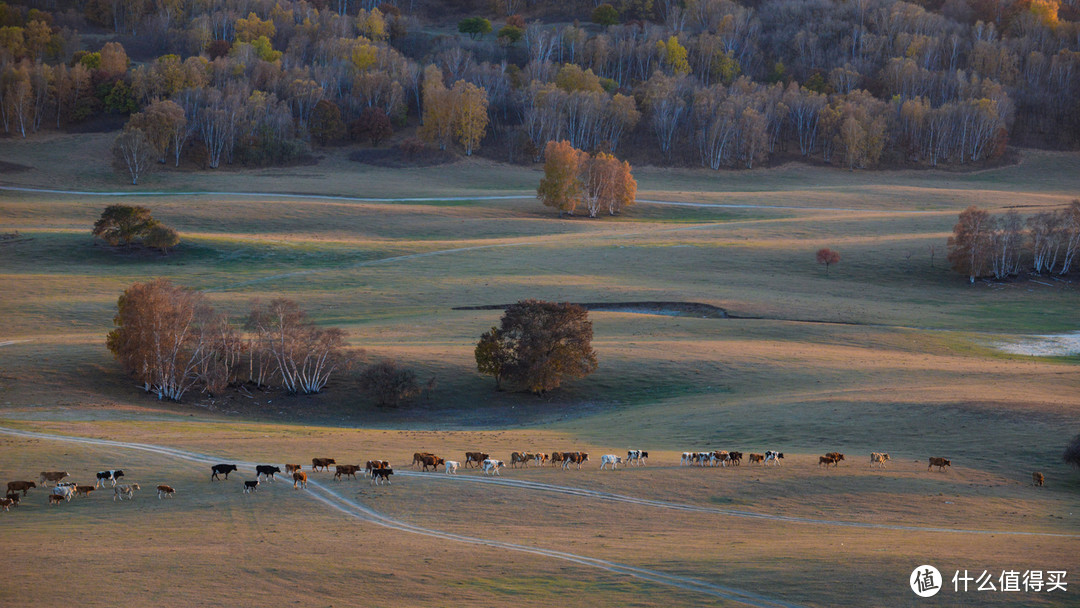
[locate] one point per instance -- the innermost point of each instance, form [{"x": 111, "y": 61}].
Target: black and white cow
[
  {"x": 773, "y": 456},
  {"x": 636, "y": 457},
  {"x": 381, "y": 474},
  {"x": 221, "y": 469},
  {"x": 265, "y": 470},
  {"x": 112, "y": 475},
  {"x": 251, "y": 486}
]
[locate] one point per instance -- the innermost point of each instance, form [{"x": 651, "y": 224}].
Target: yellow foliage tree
[
  {"x": 674, "y": 56},
  {"x": 438, "y": 114},
  {"x": 470, "y": 117},
  {"x": 252, "y": 28}
]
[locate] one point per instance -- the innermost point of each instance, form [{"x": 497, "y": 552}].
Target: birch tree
[{"x": 305, "y": 355}]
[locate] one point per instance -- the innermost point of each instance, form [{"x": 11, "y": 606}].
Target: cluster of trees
[
  {"x": 172, "y": 341},
  {"x": 709, "y": 82},
  {"x": 572, "y": 177},
  {"x": 123, "y": 225},
  {"x": 1003, "y": 246},
  {"x": 537, "y": 346}
]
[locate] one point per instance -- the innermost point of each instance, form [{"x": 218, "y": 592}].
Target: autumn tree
[
  {"x": 305, "y": 355},
  {"x": 828, "y": 257},
  {"x": 562, "y": 187},
  {"x": 608, "y": 184},
  {"x": 160, "y": 121},
  {"x": 970, "y": 246},
  {"x": 162, "y": 238},
  {"x": 438, "y": 111},
  {"x": 325, "y": 124},
  {"x": 123, "y": 224},
  {"x": 539, "y": 345},
  {"x": 470, "y": 116},
  {"x": 389, "y": 383},
  {"x": 133, "y": 151},
  {"x": 373, "y": 125}
]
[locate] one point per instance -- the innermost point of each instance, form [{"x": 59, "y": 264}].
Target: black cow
[
  {"x": 113, "y": 476},
  {"x": 251, "y": 486},
  {"x": 377, "y": 474},
  {"x": 267, "y": 470},
  {"x": 221, "y": 469}
]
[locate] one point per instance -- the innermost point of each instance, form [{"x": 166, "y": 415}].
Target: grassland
[{"x": 889, "y": 353}]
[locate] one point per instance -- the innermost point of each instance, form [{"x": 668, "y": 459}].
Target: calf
[
  {"x": 773, "y": 456},
  {"x": 15, "y": 498},
  {"x": 381, "y": 474},
  {"x": 292, "y": 468},
  {"x": 251, "y": 486},
  {"x": 299, "y": 477},
  {"x": 221, "y": 469},
  {"x": 837, "y": 456},
  {"x": 611, "y": 459},
  {"x": 1038, "y": 479},
  {"x": 418, "y": 457},
  {"x": 687, "y": 459},
  {"x": 323, "y": 463},
  {"x": 122, "y": 490},
  {"x": 878, "y": 458},
  {"x": 491, "y": 467},
  {"x": 541, "y": 458},
  {"x": 84, "y": 490},
  {"x": 752, "y": 458},
  {"x": 451, "y": 467},
  {"x": 267, "y": 471},
  {"x": 53, "y": 476},
  {"x": 474, "y": 458},
  {"x": 7, "y": 503},
  {"x": 376, "y": 464},
  {"x": 938, "y": 462},
  {"x": 164, "y": 491},
  {"x": 636, "y": 457},
  {"x": 55, "y": 499},
  {"x": 736, "y": 458},
  {"x": 113, "y": 476},
  {"x": 20, "y": 486},
  {"x": 348, "y": 470},
  {"x": 65, "y": 491},
  {"x": 826, "y": 460}
]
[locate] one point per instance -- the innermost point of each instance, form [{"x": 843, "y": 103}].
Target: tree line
[{"x": 709, "y": 82}]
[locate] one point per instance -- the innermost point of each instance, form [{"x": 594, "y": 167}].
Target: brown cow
[
  {"x": 576, "y": 458},
  {"x": 299, "y": 477},
  {"x": 322, "y": 462},
  {"x": 432, "y": 461},
  {"x": 349, "y": 470},
  {"x": 735, "y": 457},
  {"x": 475, "y": 458},
  {"x": 516, "y": 457},
  {"x": 752, "y": 458},
  {"x": 20, "y": 486},
  {"x": 292, "y": 468},
  {"x": 556, "y": 458},
  {"x": 84, "y": 490},
  {"x": 53, "y": 476},
  {"x": 827, "y": 460},
  {"x": 837, "y": 456},
  {"x": 938, "y": 462},
  {"x": 418, "y": 457},
  {"x": 165, "y": 491},
  {"x": 1038, "y": 479},
  {"x": 55, "y": 499},
  {"x": 376, "y": 464}
]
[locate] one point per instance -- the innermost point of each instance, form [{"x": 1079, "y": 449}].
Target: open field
[{"x": 889, "y": 353}]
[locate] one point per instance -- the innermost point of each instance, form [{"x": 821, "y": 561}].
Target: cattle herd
[{"x": 380, "y": 471}]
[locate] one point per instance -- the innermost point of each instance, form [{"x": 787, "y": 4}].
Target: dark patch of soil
[
  {"x": 396, "y": 158},
  {"x": 671, "y": 309},
  {"x": 6, "y": 167}
]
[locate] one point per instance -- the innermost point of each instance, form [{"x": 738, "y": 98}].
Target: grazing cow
[
  {"x": 451, "y": 467},
  {"x": 14, "y": 497},
  {"x": 515, "y": 458},
  {"x": 381, "y": 474},
  {"x": 251, "y": 486},
  {"x": 20, "y": 486},
  {"x": 122, "y": 490},
  {"x": 735, "y": 458},
  {"x": 84, "y": 490},
  {"x": 837, "y": 456},
  {"x": 265, "y": 470},
  {"x": 574, "y": 457},
  {"x": 299, "y": 477},
  {"x": 491, "y": 467},
  {"x": 418, "y": 457},
  {"x": 475, "y": 458},
  {"x": 938, "y": 462},
  {"x": 826, "y": 460},
  {"x": 324, "y": 463},
  {"x": 878, "y": 458},
  {"x": 1038, "y": 479},
  {"x": 376, "y": 464},
  {"x": 773, "y": 456},
  {"x": 432, "y": 461},
  {"x": 348, "y": 470},
  {"x": 53, "y": 476},
  {"x": 221, "y": 469},
  {"x": 55, "y": 499},
  {"x": 756, "y": 458},
  {"x": 164, "y": 491},
  {"x": 611, "y": 459},
  {"x": 112, "y": 476},
  {"x": 7, "y": 503},
  {"x": 292, "y": 468}
]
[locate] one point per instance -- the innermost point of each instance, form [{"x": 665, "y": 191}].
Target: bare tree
[
  {"x": 305, "y": 355},
  {"x": 134, "y": 151}
]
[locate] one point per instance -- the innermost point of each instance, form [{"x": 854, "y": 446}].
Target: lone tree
[
  {"x": 475, "y": 27},
  {"x": 123, "y": 224},
  {"x": 1072, "y": 452},
  {"x": 161, "y": 237},
  {"x": 828, "y": 257},
  {"x": 538, "y": 345},
  {"x": 389, "y": 383}
]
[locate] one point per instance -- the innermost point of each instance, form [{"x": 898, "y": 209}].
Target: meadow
[{"x": 891, "y": 352}]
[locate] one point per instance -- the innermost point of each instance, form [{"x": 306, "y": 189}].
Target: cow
[
  {"x": 299, "y": 477},
  {"x": 451, "y": 467},
  {"x": 1037, "y": 479},
  {"x": 383, "y": 474},
  {"x": 418, "y": 457},
  {"x": 20, "y": 486},
  {"x": 55, "y": 499},
  {"x": 837, "y": 456},
  {"x": 221, "y": 469},
  {"x": 376, "y": 464},
  {"x": 878, "y": 458},
  {"x": 323, "y": 463},
  {"x": 432, "y": 461},
  {"x": 773, "y": 456},
  {"x": 541, "y": 458},
  {"x": 84, "y": 490},
  {"x": 529, "y": 457},
  {"x": 515, "y": 458},
  {"x": 735, "y": 458},
  {"x": 576, "y": 458},
  {"x": 122, "y": 490},
  {"x": 113, "y": 476},
  {"x": 267, "y": 471},
  {"x": 719, "y": 456},
  {"x": 7, "y": 503},
  {"x": 15, "y": 498},
  {"x": 611, "y": 459},
  {"x": 474, "y": 458},
  {"x": 292, "y": 468},
  {"x": 556, "y": 458},
  {"x": 826, "y": 460},
  {"x": 491, "y": 467},
  {"x": 636, "y": 457},
  {"x": 53, "y": 476},
  {"x": 251, "y": 486},
  {"x": 164, "y": 491},
  {"x": 752, "y": 458},
  {"x": 687, "y": 459},
  {"x": 348, "y": 470},
  {"x": 938, "y": 462}
]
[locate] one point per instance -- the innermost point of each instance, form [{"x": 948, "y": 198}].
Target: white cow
[
  {"x": 452, "y": 467},
  {"x": 687, "y": 459},
  {"x": 65, "y": 490},
  {"x": 878, "y": 458},
  {"x": 611, "y": 459},
  {"x": 491, "y": 467}
]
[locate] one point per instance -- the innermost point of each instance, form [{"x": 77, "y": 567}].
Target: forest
[{"x": 711, "y": 83}]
